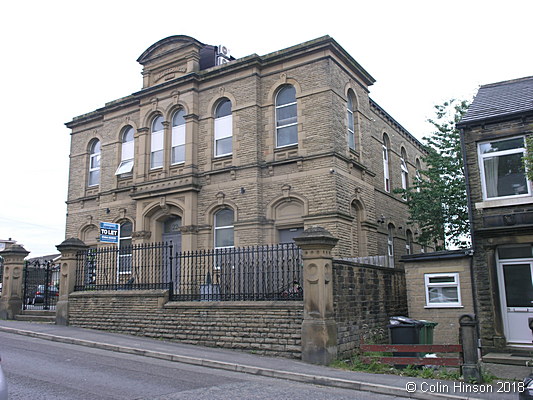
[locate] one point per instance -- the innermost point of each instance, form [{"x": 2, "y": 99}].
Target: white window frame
[
  {"x": 279, "y": 127},
  {"x": 351, "y": 127},
  {"x": 178, "y": 139},
  {"x": 390, "y": 245},
  {"x": 224, "y": 227},
  {"x": 94, "y": 158},
  {"x": 482, "y": 157},
  {"x": 223, "y": 130},
  {"x": 157, "y": 139},
  {"x": 126, "y": 155},
  {"x": 405, "y": 173},
  {"x": 454, "y": 283},
  {"x": 386, "y": 176},
  {"x": 121, "y": 255}
]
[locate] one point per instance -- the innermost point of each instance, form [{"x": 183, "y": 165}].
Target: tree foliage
[{"x": 438, "y": 200}]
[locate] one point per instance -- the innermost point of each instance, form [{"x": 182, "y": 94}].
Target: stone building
[
  {"x": 216, "y": 152},
  {"x": 500, "y": 196}
]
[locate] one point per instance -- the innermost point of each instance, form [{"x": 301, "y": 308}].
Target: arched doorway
[{"x": 171, "y": 231}]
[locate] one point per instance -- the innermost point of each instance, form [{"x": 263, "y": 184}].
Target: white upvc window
[
  {"x": 351, "y": 124},
  {"x": 502, "y": 171},
  {"x": 156, "y": 143},
  {"x": 223, "y": 129},
  {"x": 94, "y": 164},
  {"x": 224, "y": 228},
  {"x": 126, "y": 155},
  {"x": 442, "y": 290},
  {"x": 178, "y": 137},
  {"x": 286, "y": 117},
  {"x": 386, "y": 178}
]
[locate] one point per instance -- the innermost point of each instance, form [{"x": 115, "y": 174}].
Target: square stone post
[
  {"x": 469, "y": 339},
  {"x": 11, "y": 300},
  {"x": 69, "y": 250},
  {"x": 319, "y": 329}
]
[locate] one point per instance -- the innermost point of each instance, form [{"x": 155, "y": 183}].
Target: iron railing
[
  {"x": 41, "y": 286},
  {"x": 137, "y": 267},
  {"x": 239, "y": 274},
  {"x": 230, "y": 274}
]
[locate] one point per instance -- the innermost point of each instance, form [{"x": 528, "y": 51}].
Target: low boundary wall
[
  {"x": 267, "y": 328},
  {"x": 364, "y": 297}
]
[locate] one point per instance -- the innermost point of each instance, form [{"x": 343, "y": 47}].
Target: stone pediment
[
  {"x": 170, "y": 58},
  {"x": 174, "y": 46}
]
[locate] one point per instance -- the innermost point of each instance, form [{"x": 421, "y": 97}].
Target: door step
[{"x": 37, "y": 316}]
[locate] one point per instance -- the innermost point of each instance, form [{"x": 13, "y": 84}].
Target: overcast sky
[{"x": 61, "y": 59}]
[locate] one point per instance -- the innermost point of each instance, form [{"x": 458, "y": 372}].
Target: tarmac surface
[{"x": 404, "y": 387}]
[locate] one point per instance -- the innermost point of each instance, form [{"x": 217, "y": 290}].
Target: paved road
[{"x": 38, "y": 369}]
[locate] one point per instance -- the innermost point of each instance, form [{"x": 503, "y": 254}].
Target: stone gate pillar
[
  {"x": 68, "y": 249},
  {"x": 11, "y": 300},
  {"x": 319, "y": 329}
]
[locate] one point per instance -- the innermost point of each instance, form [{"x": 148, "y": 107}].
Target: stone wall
[
  {"x": 364, "y": 298},
  {"x": 447, "y": 318},
  {"x": 268, "y": 328}
]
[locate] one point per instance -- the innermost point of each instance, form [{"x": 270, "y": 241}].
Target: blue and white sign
[{"x": 109, "y": 232}]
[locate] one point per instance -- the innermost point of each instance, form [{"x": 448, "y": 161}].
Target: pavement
[{"x": 294, "y": 370}]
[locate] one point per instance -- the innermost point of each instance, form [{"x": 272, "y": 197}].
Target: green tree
[{"x": 438, "y": 200}]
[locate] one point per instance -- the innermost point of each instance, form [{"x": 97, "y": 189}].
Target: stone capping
[
  {"x": 14, "y": 249},
  {"x": 438, "y": 255},
  {"x": 369, "y": 266},
  {"x": 121, "y": 293},
  {"x": 296, "y": 305}
]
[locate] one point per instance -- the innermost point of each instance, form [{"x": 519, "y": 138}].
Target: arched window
[
  {"x": 223, "y": 129},
  {"x": 408, "y": 242},
  {"x": 125, "y": 248},
  {"x": 126, "y": 155},
  {"x": 390, "y": 245},
  {"x": 404, "y": 170},
  {"x": 286, "y": 117},
  {"x": 351, "y": 124},
  {"x": 224, "y": 228},
  {"x": 386, "y": 166},
  {"x": 156, "y": 148},
  {"x": 178, "y": 137},
  {"x": 94, "y": 163},
  {"x": 418, "y": 175}
]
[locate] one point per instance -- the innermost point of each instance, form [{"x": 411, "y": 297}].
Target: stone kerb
[
  {"x": 69, "y": 250},
  {"x": 11, "y": 300},
  {"x": 319, "y": 329}
]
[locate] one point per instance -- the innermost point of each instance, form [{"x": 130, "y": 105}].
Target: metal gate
[{"x": 41, "y": 286}]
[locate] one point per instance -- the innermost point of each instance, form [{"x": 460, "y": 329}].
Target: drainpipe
[{"x": 471, "y": 223}]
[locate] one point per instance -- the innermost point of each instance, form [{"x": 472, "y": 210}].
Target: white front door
[{"x": 516, "y": 294}]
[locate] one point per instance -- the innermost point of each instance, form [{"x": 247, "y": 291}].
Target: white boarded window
[
  {"x": 442, "y": 290},
  {"x": 156, "y": 143},
  {"x": 223, "y": 129},
  {"x": 178, "y": 137},
  {"x": 386, "y": 171}
]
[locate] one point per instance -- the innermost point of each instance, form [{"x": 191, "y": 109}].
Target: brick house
[
  {"x": 500, "y": 197},
  {"x": 216, "y": 152}
]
